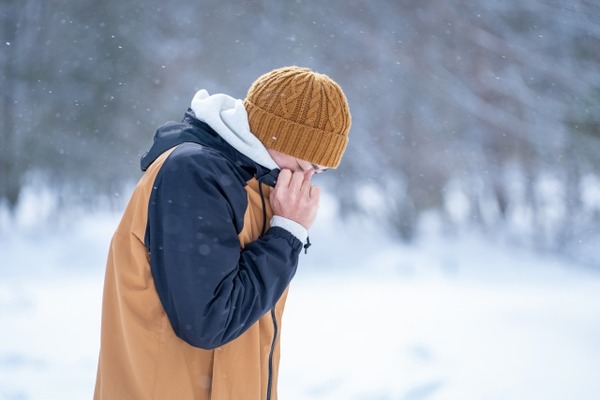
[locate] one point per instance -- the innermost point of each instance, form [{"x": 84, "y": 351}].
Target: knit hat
[{"x": 300, "y": 113}]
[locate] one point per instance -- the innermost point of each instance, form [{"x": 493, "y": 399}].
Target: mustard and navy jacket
[{"x": 196, "y": 279}]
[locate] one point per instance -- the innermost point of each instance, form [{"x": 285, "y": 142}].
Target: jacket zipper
[{"x": 275, "y": 332}]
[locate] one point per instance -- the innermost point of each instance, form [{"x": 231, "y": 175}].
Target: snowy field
[{"x": 366, "y": 318}]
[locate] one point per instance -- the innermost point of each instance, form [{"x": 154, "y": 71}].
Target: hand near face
[{"x": 295, "y": 198}]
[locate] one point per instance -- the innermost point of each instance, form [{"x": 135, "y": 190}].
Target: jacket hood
[
  {"x": 191, "y": 129},
  {"x": 228, "y": 117}
]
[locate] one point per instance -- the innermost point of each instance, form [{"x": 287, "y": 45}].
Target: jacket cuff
[{"x": 291, "y": 226}]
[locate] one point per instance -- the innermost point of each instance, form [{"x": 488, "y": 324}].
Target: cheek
[{"x": 284, "y": 162}]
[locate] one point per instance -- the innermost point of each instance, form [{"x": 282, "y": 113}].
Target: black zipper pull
[{"x": 307, "y": 245}]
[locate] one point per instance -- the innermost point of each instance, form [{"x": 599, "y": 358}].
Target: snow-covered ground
[{"x": 366, "y": 318}]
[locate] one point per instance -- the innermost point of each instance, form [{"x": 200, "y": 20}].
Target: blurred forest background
[{"x": 483, "y": 114}]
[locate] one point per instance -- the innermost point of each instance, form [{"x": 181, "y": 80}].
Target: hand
[{"x": 295, "y": 198}]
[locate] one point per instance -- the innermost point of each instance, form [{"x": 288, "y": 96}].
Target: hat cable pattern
[{"x": 300, "y": 113}]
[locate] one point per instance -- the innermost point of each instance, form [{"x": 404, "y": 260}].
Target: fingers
[
  {"x": 296, "y": 181},
  {"x": 284, "y": 178},
  {"x": 294, "y": 197},
  {"x": 315, "y": 193}
]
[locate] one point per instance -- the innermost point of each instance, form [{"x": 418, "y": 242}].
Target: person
[{"x": 199, "y": 266}]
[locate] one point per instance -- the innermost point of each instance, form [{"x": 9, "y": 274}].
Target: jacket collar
[{"x": 191, "y": 129}]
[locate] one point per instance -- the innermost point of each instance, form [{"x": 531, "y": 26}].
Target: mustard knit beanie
[{"x": 300, "y": 113}]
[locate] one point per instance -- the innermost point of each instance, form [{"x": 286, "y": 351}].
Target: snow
[{"x": 366, "y": 318}]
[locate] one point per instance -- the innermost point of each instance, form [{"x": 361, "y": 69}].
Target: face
[{"x": 295, "y": 164}]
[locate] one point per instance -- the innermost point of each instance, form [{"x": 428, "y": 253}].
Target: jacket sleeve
[{"x": 211, "y": 289}]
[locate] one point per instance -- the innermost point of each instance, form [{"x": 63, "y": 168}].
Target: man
[{"x": 199, "y": 266}]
